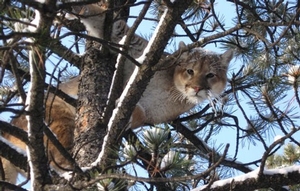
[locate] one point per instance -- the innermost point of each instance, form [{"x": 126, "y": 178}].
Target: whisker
[{"x": 215, "y": 101}]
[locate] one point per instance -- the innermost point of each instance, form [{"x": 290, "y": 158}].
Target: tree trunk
[{"x": 96, "y": 75}]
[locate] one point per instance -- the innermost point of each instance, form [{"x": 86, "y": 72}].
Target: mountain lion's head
[{"x": 200, "y": 74}]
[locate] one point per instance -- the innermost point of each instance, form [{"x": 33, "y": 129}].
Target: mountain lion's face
[{"x": 201, "y": 73}]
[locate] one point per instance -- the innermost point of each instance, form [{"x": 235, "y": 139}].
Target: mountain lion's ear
[
  {"x": 227, "y": 56},
  {"x": 181, "y": 46}
]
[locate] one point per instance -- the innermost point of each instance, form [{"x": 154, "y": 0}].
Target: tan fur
[
  {"x": 70, "y": 87},
  {"x": 60, "y": 116},
  {"x": 137, "y": 116},
  {"x": 92, "y": 16}
]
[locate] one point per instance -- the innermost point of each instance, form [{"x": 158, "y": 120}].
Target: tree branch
[
  {"x": 160, "y": 179},
  {"x": 11, "y": 153},
  {"x": 14, "y": 131},
  {"x": 130, "y": 96},
  {"x": 276, "y": 178},
  {"x": 204, "y": 150}
]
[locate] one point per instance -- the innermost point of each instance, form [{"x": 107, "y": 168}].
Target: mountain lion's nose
[{"x": 197, "y": 88}]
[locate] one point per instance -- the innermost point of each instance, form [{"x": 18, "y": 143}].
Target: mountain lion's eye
[
  {"x": 190, "y": 71},
  {"x": 210, "y": 75}
]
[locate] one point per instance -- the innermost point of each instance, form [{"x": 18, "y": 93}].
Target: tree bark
[
  {"x": 96, "y": 76},
  {"x": 35, "y": 100}
]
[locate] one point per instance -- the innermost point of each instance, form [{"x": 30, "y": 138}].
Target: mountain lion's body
[{"x": 170, "y": 93}]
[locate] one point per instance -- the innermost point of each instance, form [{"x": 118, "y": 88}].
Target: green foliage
[
  {"x": 163, "y": 156},
  {"x": 290, "y": 156}
]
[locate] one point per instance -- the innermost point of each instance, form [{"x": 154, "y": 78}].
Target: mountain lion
[{"x": 169, "y": 93}]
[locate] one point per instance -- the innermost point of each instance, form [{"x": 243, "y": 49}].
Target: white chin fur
[
  {"x": 196, "y": 99},
  {"x": 190, "y": 96}
]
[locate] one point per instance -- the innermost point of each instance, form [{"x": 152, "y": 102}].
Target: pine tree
[{"x": 41, "y": 46}]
